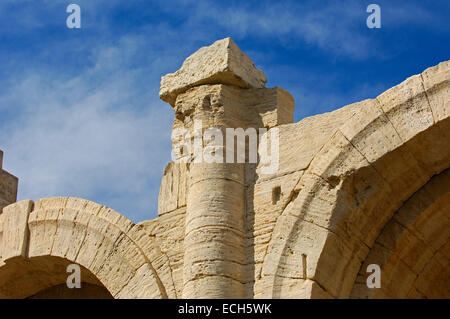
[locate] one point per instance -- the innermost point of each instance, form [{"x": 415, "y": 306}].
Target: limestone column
[{"x": 214, "y": 241}]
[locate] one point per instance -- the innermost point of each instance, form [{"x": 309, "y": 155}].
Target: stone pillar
[
  {"x": 214, "y": 239},
  {"x": 214, "y": 253},
  {"x": 218, "y": 87}
]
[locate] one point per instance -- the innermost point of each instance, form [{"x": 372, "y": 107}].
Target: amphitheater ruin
[{"x": 368, "y": 183}]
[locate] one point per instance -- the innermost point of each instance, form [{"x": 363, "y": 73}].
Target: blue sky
[{"x": 79, "y": 108}]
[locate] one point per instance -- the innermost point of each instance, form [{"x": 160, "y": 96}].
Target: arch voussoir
[{"x": 101, "y": 240}]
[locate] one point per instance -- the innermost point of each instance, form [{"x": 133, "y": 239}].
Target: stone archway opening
[
  {"x": 413, "y": 248},
  {"x": 45, "y": 277}
]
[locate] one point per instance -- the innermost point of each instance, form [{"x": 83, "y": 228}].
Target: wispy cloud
[
  {"x": 329, "y": 27},
  {"x": 84, "y": 136},
  {"x": 336, "y": 27}
]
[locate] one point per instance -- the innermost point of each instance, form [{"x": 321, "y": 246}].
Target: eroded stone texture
[
  {"x": 382, "y": 152},
  {"x": 172, "y": 194},
  {"x": 14, "y": 229},
  {"x": 8, "y": 186},
  {"x": 367, "y": 183},
  {"x": 222, "y": 62},
  {"x": 215, "y": 265},
  {"x": 168, "y": 231},
  {"x": 118, "y": 254}
]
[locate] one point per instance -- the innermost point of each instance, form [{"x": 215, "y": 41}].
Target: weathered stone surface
[
  {"x": 168, "y": 231},
  {"x": 376, "y": 159},
  {"x": 411, "y": 248},
  {"x": 14, "y": 230},
  {"x": 114, "y": 251},
  {"x": 172, "y": 194},
  {"x": 220, "y": 63},
  {"x": 8, "y": 186}
]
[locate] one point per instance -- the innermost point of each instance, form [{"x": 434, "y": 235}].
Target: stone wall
[{"x": 8, "y": 186}]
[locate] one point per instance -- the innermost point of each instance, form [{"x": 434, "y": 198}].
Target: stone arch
[
  {"x": 390, "y": 148},
  {"x": 118, "y": 254}
]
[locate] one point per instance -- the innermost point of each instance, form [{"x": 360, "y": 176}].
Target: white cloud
[
  {"x": 88, "y": 137},
  {"x": 336, "y": 27},
  {"x": 331, "y": 27}
]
